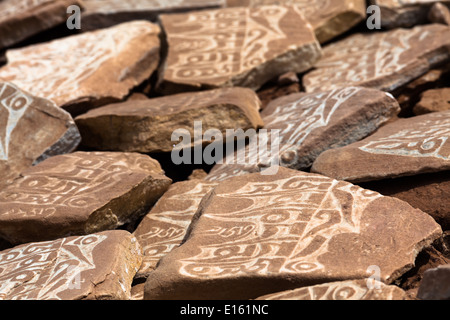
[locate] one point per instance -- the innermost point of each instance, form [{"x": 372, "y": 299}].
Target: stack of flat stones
[{"x": 224, "y": 150}]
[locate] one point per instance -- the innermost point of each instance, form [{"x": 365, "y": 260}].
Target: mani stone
[
  {"x": 99, "y": 266},
  {"x": 106, "y": 13},
  {"x": 310, "y": 124},
  {"x": 258, "y": 234},
  {"x": 164, "y": 227},
  {"x": 87, "y": 70},
  {"x": 404, "y": 13},
  {"x": 435, "y": 284},
  {"x": 381, "y": 60},
  {"x": 433, "y": 101},
  {"x": 439, "y": 13},
  {"x": 330, "y": 18},
  {"x": 21, "y": 19},
  {"x": 243, "y": 47},
  {"x": 406, "y": 147},
  {"x": 147, "y": 126},
  {"x": 367, "y": 289},
  {"x": 32, "y": 129},
  {"x": 79, "y": 194}
]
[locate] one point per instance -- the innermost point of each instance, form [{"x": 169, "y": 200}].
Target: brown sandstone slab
[
  {"x": 435, "y": 284},
  {"x": 381, "y": 60},
  {"x": 21, "y": 19},
  {"x": 329, "y": 18},
  {"x": 244, "y": 47},
  {"x": 439, "y": 13},
  {"x": 79, "y": 193},
  {"x": 87, "y": 70},
  {"x": 257, "y": 234},
  {"x": 100, "y": 266},
  {"x": 406, "y": 147},
  {"x": 433, "y": 101},
  {"x": 164, "y": 227},
  {"x": 106, "y": 13},
  {"x": 342, "y": 290},
  {"x": 32, "y": 129},
  {"x": 310, "y": 124},
  {"x": 147, "y": 126},
  {"x": 404, "y": 13}
]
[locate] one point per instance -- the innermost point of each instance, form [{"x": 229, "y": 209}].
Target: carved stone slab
[
  {"x": 381, "y": 60},
  {"x": 86, "y": 70},
  {"x": 257, "y": 234},
  {"x": 106, "y": 13},
  {"x": 404, "y": 148},
  {"x": 329, "y": 18},
  {"x": 100, "y": 266},
  {"x": 343, "y": 290},
  {"x": 310, "y": 124},
  {"x": 79, "y": 193},
  {"x": 241, "y": 46},
  {"x": 164, "y": 227},
  {"x": 147, "y": 126},
  {"x": 20, "y": 19},
  {"x": 31, "y": 130},
  {"x": 404, "y": 13}
]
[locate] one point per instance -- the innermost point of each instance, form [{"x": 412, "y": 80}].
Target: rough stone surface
[
  {"x": 94, "y": 267},
  {"x": 87, "y": 70},
  {"x": 404, "y": 13},
  {"x": 21, "y": 19},
  {"x": 435, "y": 284},
  {"x": 406, "y": 147},
  {"x": 343, "y": 290},
  {"x": 433, "y": 101},
  {"x": 79, "y": 193},
  {"x": 380, "y": 60},
  {"x": 148, "y": 126},
  {"x": 32, "y": 129},
  {"x": 310, "y": 124},
  {"x": 257, "y": 234},
  {"x": 218, "y": 48},
  {"x": 330, "y": 18},
  {"x": 164, "y": 227},
  {"x": 106, "y": 13},
  {"x": 439, "y": 13}
]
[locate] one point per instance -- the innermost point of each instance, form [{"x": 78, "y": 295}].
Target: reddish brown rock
[
  {"x": 433, "y": 101},
  {"x": 257, "y": 234},
  {"x": 21, "y": 19},
  {"x": 137, "y": 292},
  {"x": 380, "y": 60},
  {"x": 87, "y": 70},
  {"x": 330, "y": 18},
  {"x": 95, "y": 267},
  {"x": 436, "y": 284},
  {"x": 106, "y": 13},
  {"x": 310, "y": 124},
  {"x": 244, "y": 47},
  {"x": 406, "y": 147},
  {"x": 78, "y": 194},
  {"x": 164, "y": 227},
  {"x": 404, "y": 13},
  {"x": 344, "y": 290},
  {"x": 439, "y": 13},
  {"x": 147, "y": 126},
  {"x": 32, "y": 129}
]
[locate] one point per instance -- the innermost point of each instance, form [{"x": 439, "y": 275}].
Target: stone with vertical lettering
[
  {"x": 164, "y": 227},
  {"x": 87, "y": 70},
  {"x": 330, "y": 18},
  {"x": 78, "y": 194},
  {"x": 244, "y": 47},
  {"x": 256, "y": 234},
  {"x": 302, "y": 126},
  {"x": 147, "y": 126},
  {"x": 32, "y": 129},
  {"x": 21, "y": 19},
  {"x": 99, "y": 266},
  {"x": 406, "y": 147},
  {"x": 381, "y": 60}
]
